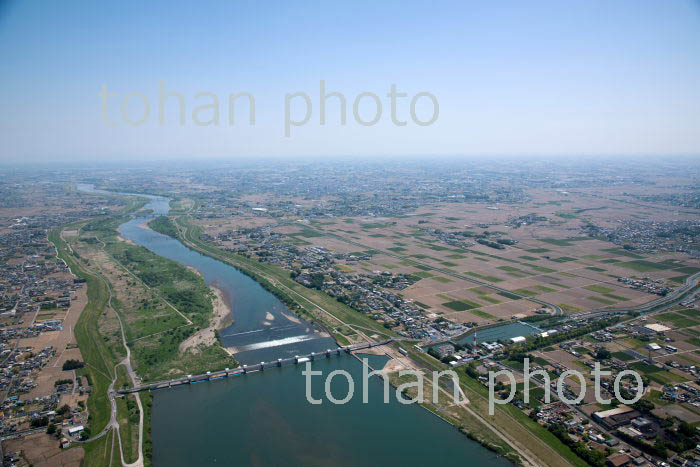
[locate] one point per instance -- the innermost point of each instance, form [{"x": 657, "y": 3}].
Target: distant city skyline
[{"x": 515, "y": 79}]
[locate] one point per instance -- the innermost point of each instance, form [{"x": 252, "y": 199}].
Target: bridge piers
[{"x": 208, "y": 376}]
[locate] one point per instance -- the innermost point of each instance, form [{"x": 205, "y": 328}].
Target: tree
[
  {"x": 72, "y": 365},
  {"x": 39, "y": 422}
]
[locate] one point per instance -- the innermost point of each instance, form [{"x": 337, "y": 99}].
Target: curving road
[
  {"x": 111, "y": 393},
  {"x": 659, "y": 304}
]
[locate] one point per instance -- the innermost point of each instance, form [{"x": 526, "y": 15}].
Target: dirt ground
[
  {"x": 42, "y": 450},
  {"x": 64, "y": 344},
  {"x": 552, "y": 259}
]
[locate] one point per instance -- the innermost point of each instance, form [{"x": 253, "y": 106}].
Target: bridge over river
[{"x": 214, "y": 375}]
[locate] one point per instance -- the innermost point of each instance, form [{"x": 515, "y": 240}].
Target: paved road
[
  {"x": 554, "y": 396},
  {"x": 248, "y": 368},
  {"x": 661, "y": 303},
  {"x": 20, "y": 434},
  {"x": 111, "y": 393}
]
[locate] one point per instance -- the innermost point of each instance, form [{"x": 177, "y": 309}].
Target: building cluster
[
  {"x": 529, "y": 219},
  {"x": 657, "y": 287},
  {"x": 341, "y": 190},
  {"x": 36, "y": 290},
  {"x": 24, "y": 415},
  {"x": 689, "y": 197},
  {"x": 652, "y": 236},
  {"x": 681, "y": 393},
  {"x": 20, "y": 367},
  {"x": 32, "y": 277},
  {"x": 371, "y": 294},
  {"x": 374, "y": 293},
  {"x": 451, "y": 238}
]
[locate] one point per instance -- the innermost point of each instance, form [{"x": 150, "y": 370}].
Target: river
[{"x": 264, "y": 419}]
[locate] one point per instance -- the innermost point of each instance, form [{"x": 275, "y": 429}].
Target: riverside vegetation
[{"x": 160, "y": 304}]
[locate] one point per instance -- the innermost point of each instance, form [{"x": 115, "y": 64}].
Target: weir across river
[{"x": 214, "y": 375}]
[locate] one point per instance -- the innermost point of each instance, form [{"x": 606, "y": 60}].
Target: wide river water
[{"x": 264, "y": 419}]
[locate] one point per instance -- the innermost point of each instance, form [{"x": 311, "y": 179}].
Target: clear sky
[{"x": 511, "y": 77}]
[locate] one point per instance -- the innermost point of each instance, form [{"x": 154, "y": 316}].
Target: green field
[
  {"x": 602, "y": 300},
  {"x": 490, "y": 299},
  {"x": 622, "y": 252},
  {"x": 509, "y": 295},
  {"x": 623, "y": 356},
  {"x": 598, "y": 288},
  {"x": 569, "y": 308},
  {"x": 644, "y": 266},
  {"x": 444, "y": 280},
  {"x": 459, "y": 305},
  {"x": 562, "y": 259},
  {"x": 656, "y": 374},
  {"x": 422, "y": 274},
  {"x": 538, "y": 250},
  {"x": 690, "y": 312},
  {"x": 526, "y": 292},
  {"x": 483, "y": 277},
  {"x": 482, "y": 314},
  {"x": 677, "y": 320}
]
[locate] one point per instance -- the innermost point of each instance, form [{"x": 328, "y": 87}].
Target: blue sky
[{"x": 511, "y": 78}]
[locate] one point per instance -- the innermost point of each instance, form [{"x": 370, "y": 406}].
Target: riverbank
[
  {"x": 321, "y": 308},
  {"x": 222, "y": 317},
  {"x": 343, "y": 323}
]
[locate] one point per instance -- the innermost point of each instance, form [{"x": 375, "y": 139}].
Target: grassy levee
[
  {"x": 99, "y": 360},
  {"x": 98, "y": 452},
  {"x": 510, "y": 420},
  {"x": 147, "y": 403},
  {"x": 304, "y": 300},
  {"x": 128, "y": 418}
]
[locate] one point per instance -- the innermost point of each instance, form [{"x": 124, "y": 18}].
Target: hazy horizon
[
  {"x": 247, "y": 160},
  {"x": 582, "y": 78}
]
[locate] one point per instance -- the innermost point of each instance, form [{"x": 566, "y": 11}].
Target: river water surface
[{"x": 264, "y": 419}]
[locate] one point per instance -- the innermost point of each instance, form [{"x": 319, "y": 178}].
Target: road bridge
[{"x": 215, "y": 375}]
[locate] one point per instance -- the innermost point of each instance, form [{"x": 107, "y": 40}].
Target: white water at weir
[
  {"x": 272, "y": 422},
  {"x": 250, "y": 337}
]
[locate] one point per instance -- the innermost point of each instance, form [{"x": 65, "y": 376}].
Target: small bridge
[{"x": 214, "y": 375}]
